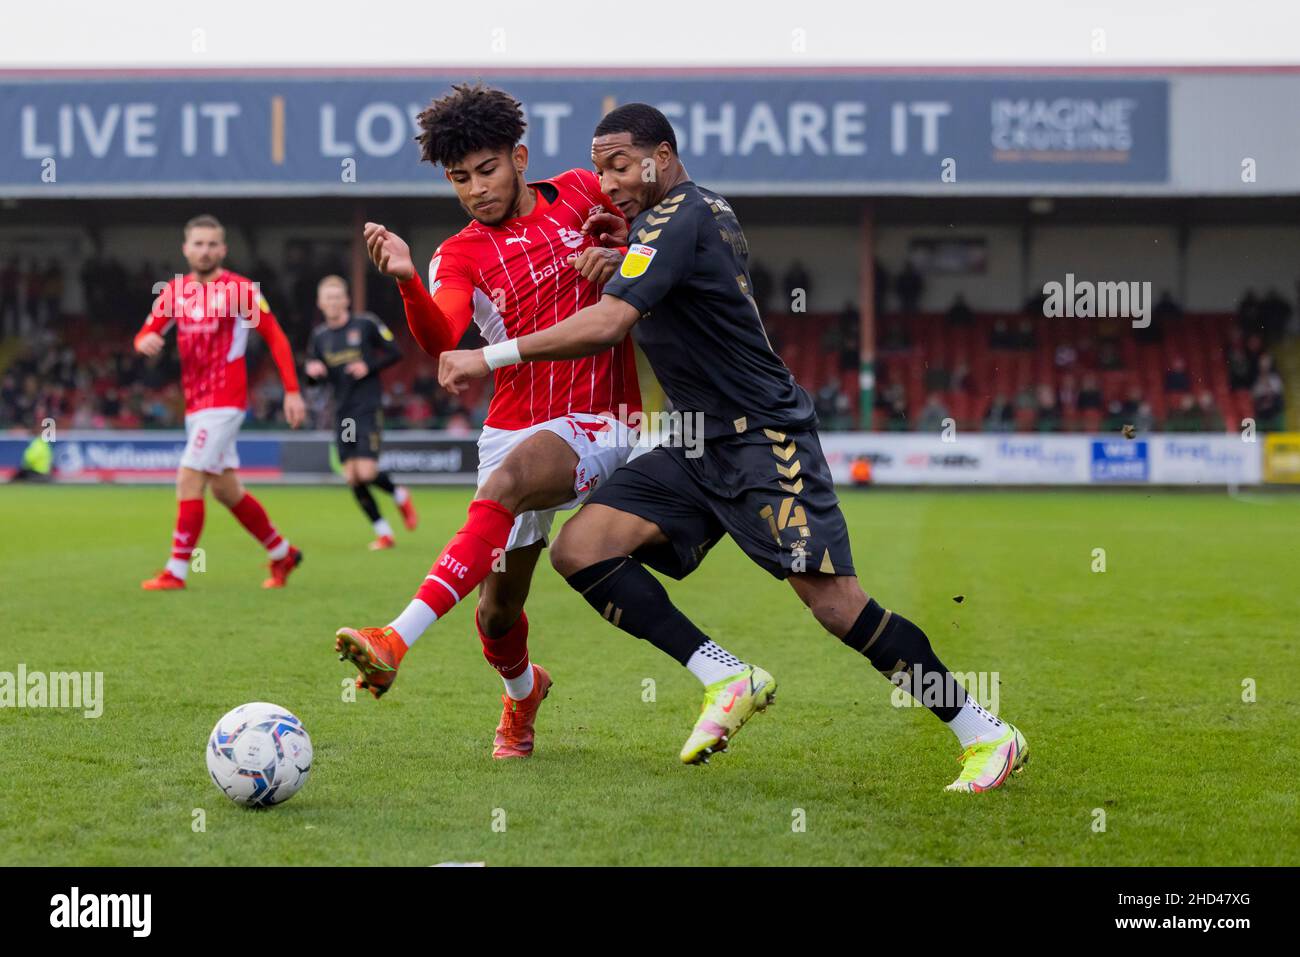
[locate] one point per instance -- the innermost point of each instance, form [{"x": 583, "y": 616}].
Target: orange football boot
[
  {"x": 281, "y": 567},
  {"x": 163, "y": 581},
  {"x": 515, "y": 732},
  {"x": 383, "y": 542},
  {"x": 409, "y": 516},
  {"x": 375, "y": 651}
]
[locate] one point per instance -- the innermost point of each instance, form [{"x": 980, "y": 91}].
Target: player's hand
[
  {"x": 388, "y": 252},
  {"x": 358, "y": 369},
  {"x": 149, "y": 344},
  {"x": 608, "y": 229},
  {"x": 597, "y": 264},
  {"x": 316, "y": 369},
  {"x": 457, "y": 367},
  {"x": 295, "y": 410}
]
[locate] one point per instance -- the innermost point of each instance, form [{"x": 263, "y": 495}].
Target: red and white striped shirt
[
  {"x": 518, "y": 277},
  {"x": 212, "y": 321}
]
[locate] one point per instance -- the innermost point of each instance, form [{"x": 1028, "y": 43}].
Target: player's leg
[
  {"x": 806, "y": 540},
  {"x": 537, "y": 473},
  {"x": 248, "y": 511},
  {"x": 190, "y": 484},
  {"x": 384, "y": 482},
  {"x": 503, "y": 629},
  {"x": 359, "y": 472},
  {"x": 636, "y": 519},
  {"x": 991, "y": 749}
]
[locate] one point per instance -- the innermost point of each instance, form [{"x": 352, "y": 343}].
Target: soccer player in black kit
[
  {"x": 683, "y": 289},
  {"x": 350, "y": 351}
]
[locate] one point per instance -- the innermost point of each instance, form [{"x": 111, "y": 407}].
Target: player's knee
[
  {"x": 572, "y": 552},
  {"x": 505, "y": 487}
]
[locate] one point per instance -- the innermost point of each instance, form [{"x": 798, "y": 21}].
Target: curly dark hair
[{"x": 471, "y": 117}]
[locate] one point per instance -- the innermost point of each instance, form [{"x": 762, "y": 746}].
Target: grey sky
[{"x": 139, "y": 33}]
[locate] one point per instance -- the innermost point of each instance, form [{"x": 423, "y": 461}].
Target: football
[{"x": 259, "y": 754}]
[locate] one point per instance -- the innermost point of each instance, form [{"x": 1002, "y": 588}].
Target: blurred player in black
[
  {"x": 683, "y": 290},
  {"x": 350, "y": 351}
]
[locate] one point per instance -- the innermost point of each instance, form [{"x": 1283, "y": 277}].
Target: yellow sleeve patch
[{"x": 637, "y": 261}]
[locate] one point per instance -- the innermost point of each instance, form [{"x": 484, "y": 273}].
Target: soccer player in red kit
[
  {"x": 552, "y": 433},
  {"x": 212, "y": 310}
]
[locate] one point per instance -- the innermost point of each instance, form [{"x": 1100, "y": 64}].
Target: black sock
[
  {"x": 384, "y": 482},
  {"x": 366, "y": 501},
  {"x": 893, "y": 644},
  {"x": 630, "y": 598}
]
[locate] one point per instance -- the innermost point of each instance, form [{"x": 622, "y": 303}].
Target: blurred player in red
[
  {"x": 213, "y": 310},
  {"x": 554, "y": 431}
]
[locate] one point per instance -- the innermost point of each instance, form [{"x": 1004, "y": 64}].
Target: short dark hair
[
  {"x": 648, "y": 126},
  {"x": 204, "y": 221},
  {"x": 471, "y": 117}
]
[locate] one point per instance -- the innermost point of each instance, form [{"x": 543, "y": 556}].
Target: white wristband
[{"x": 502, "y": 354}]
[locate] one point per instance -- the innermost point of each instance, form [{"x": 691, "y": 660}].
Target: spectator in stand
[
  {"x": 1048, "y": 411},
  {"x": 1184, "y": 417},
  {"x": 760, "y": 282},
  {"x": 932, "y": 414},
  {"x": 1248, "y": 312},
  {"x": 937, "y": 378},
  {"x": 1001, "y": 416},
  {"x": 960, "y": 381},
  {"x": 1000, "y": 336},
  {"x": 1089, "y": 394},
  {"x": 1267, "y": 396},
  {"x": 796, "y": 279},
  {"x": 1208, "y": 409},
  {"x": 1274, "y": 311},
  {"x": 1145, "y": 420},
  {"x": 1108, "y": 355},
  {"x": 1166, "y": 312},
  {"x": 1240, "y": 373},
  {"x": 52, "y": 292},
  {"x": 10, "y": 280},
  {"x": 1176, "y": 377},
  {"x": 1025, "y": 336},
  {"x": 880, "y": 287},
  {"x": 850, "y": 335},
  {"x": 910, "y": 287},
  {"x": 893, "y": 400},
  {"x": 960, "y": 314}
]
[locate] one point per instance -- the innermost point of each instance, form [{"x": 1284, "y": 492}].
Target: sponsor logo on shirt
[
  {"x": 521, "y": 238},
  {"x": 637, "y": 261}
]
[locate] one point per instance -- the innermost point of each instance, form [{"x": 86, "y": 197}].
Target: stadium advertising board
[
  {"x": 896, "y": 458},
  {"x": 1282, "y": 457},
  {"x": 787, "y": 133}
]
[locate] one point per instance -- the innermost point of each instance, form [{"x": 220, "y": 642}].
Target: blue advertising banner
[
  {"x": 787, "y": 134},
  {"x": 1120, "y": 460}
]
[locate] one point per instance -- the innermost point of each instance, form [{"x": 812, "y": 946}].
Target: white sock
[
  {"x": 178, "y": 567},
  {"x": 411, "y": 623},
  {"x": 381, "y": 527},
  {"x": 400, "y": 495},
  {"x": 521, "y": 687},
  {"x": 711, "y": 663},
  {"x": 279, "y": 551},
  {"x": 973, "y": 724}
]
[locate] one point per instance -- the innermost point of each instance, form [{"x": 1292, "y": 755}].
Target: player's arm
[
  {"x": 437, "y": 320},
  {"x": 151, "y": 337},
  {"x": 585, "y": 333},
  {"x": 315, "y": 367},
  {"x": 263, "y": 319},
  {"x": 647, "y": 275},
  {"x": 381, "y": 348}
]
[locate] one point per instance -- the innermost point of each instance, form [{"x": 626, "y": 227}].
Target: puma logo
[{"x": 522, "y": 238}]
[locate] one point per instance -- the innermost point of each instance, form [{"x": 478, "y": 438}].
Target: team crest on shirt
[
  {"x": 354, "y": 337},
  {"x": 637, "y": 261},
  {"x": 570, "y": 237}
]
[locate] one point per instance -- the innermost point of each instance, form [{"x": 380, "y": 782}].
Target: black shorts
[
  {"x": 770, "y": 491},
  {"x": 358, "y": 435}
]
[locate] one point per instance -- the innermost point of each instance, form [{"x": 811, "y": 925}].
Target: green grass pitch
[{"x": 1128, "y": 684}]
